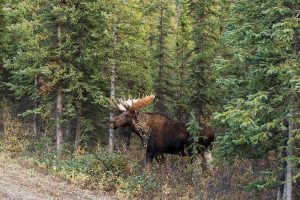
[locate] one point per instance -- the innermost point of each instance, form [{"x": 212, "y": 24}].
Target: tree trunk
[
  {"x": 113, "y": 84},
  {"x": 292, "y": 126},
  {"x": 1, "y": 118},
  {"x": 35, "y": 118},
  {"x": 281, "y": 175},
  {"x": 161, "y": 43},
  {"x": 59, "y": 131},
  {"x": 159, "y": 98},
  {"x": 289, "y": 164},
  {"x": 68, "y": 135},
  {"x": 178, "y": 12},
  {"x": 78, "y": 128}
]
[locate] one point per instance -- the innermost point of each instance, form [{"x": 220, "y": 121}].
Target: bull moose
[
  {"x": 164, "y": 134},
  {"x": 126, "y": 134}
]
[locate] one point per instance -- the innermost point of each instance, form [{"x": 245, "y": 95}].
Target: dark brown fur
[
  {"x": 125, "y": 132},
  {"x": 165, "y": 135}
]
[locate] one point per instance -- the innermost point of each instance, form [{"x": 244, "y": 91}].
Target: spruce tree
[
  {"x": 55, "y": 45},
  {"x": 259, "y": 77},
  {"x": 204, "y": 34}
]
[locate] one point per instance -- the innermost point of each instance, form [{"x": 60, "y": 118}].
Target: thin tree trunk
[
  {"x": 113, "y": 85},
  {"x": 35, "y": 118},
  {"x": 279, "y": 193},
  {"x": 292, "y": 115},
  {"x": 68, "y": 130},
  {"x": 161, "y": 43},
  {"x": 151, "y": 35},
  {"x": 289, "y": 165},
  {"x": 281, "y": 175},
  {"x": 1, "y": 118},
  {"x": 178, "y": 12},
  {"x": 159, "y": 102},
  {"x": 59, "y": 131},
  {"x": 78, "y": 128},
  {"x": 79, "y": 106}
]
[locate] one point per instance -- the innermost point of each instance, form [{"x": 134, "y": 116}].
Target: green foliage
[
  {"x": 3, "y": 48},
  {"x": 236, "y": 59},
  {"x": 15, "y": 138},
  {"x": 194, "y": 131},
  {"x": 81, "y": 63},
  {"x": 131, "y": 52},
  {"x": 162, "y": 44},
  {"x": 254, "y": 79},
  {"x": 205, "y": 34},
  {"x": 111, "y": 172},
  {"x": 135, "y": 186},
  {"x": 260, "y": 185},
  {"x": 245, "y": 125}
]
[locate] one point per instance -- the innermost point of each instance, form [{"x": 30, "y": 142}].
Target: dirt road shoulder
[{"x": 23, "y": 183}]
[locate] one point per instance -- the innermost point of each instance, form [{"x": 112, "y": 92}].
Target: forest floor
[{"x": 20, "y": 181}]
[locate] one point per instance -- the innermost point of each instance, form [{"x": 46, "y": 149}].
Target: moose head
[{"x": 129, "y": 109}]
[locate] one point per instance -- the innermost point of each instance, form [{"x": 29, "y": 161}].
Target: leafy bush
[
  {"x": 15, "y": 138},
  {"x": 110, "y": 172},
  {"x": 136, "y": 186}
]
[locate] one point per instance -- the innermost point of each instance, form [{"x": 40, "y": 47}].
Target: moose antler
[
  {"x": 142, "y": 102},
  {"x": 131, "y": 104},
  {"x": 116, "y": 104}
]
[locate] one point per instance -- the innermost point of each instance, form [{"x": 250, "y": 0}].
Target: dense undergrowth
[
  {"x": 123, "y": 173},
  {"x": 115, "y": 173},
  {"x": 96, "y": 169}
]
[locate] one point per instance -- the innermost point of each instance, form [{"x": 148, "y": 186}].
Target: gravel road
[{"x": 18, "y": 182}]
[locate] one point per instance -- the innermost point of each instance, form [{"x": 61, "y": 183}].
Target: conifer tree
[
  {"x": 128, "y": 54},
  {"x": 3, "y": 37},
  {"x": 160, "y": 17},
  {"x": 205, "y": 34},
  {"x": 184, "y": 45},
  {"x": 3, "y": 55},
  {"x": 259, "y": 79},
  {"x": 55, "y": 45}
]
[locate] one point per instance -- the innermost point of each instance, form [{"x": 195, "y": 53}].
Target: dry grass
[{"x": 179, "y": 179}]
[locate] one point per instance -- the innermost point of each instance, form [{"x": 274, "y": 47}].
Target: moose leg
[
  {"x": 182, "y": 152},
  {"x": 162, "y": 158},
  {"x": 142, "y": 140},
  {"x": 149, "y": 157},
  {"x": 127, "y": 142},
  {"x": 159, "y": 157},
  {"x": 207, "y": 159},
  {"x": 208, "y": 156}
]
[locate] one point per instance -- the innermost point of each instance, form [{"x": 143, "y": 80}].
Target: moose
[
  {"x": 126, "y": 134},
  {"x": 163, "y": 134}
]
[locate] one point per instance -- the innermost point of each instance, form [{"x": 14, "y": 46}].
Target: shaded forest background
[{"x": 233, "y": 63}]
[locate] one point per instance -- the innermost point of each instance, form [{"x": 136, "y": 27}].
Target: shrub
[
  {"x": 110, "y": 172},
  {"x": 15, "y": 138}
]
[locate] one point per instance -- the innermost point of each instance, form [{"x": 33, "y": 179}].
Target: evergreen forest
[{"x": 233, "y": 65}]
